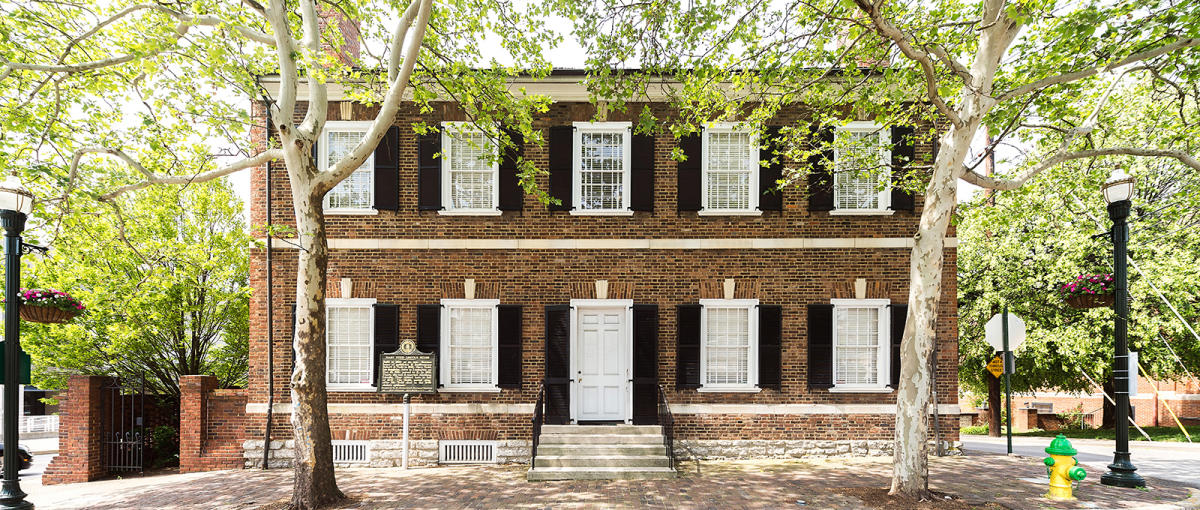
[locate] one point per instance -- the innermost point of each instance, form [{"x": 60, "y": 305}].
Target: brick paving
[{"x": 979, "y": 479}]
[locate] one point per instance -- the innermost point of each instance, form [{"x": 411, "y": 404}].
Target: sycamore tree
[
  {"x": 164, "y": 90},
  {"x": 165, "y": 284},
  {"x": 1026, "y": 72},
  {"x": 1020, "y": 249}
]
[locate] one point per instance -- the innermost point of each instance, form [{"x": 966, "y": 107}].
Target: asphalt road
[{"x": 1178, "y": 462}]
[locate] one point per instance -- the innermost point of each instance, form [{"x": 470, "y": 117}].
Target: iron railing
[
  {"x": 538, "y": 417},
  {"x": 667, "y": 421}
]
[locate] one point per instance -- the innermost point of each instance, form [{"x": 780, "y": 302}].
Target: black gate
[{"x": 122, "y": 432}]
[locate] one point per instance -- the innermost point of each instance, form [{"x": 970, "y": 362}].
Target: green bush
[
  {"x": 977, "y": 430},
  {"x": 164, "y": 446}
]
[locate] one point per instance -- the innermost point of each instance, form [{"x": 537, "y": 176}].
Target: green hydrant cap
[{"x": 1060, "y": 446}]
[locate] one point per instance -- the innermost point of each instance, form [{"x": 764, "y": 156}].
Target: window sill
[
  {"x": 350, "y": 388},
  {"x": 468, "y": 389},
  {"x": 862, "y": 212},
  {"x": 351, "y": 212},
  {"x": 738, "y": 212},
  {"x": 606, "y": 212},
  {"x": 861, "y": 389},
  {"x": 470, "y": 212},
  {"x": 729, "y": 389}
]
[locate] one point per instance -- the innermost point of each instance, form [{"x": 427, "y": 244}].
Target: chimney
[{"x": 348, "y": 51}]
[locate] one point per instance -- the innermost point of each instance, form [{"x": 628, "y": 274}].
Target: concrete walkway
[
  {"x": 1179, "y": 462},
  {"x": 996, "y": 481}
]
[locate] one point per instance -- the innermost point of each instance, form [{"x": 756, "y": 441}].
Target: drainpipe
[{"x": 270, "y": 309}]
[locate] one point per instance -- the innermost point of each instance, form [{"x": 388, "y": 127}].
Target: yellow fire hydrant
[{"x": 1062, "y": 468}]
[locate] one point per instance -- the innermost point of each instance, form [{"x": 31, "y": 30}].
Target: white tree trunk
[{"x": 910, "y": 473}]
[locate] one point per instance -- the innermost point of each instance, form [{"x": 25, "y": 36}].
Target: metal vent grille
[
  {"x": 467, "y": 452},
  {"x": 350, "y": 451}
]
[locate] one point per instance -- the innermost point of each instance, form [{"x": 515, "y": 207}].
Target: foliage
[
  {"x": 167, "y": 283},
  {"x": 50, "y": 298},
  {"x": 1088, "y": 284},
  {"x": 164, "y": 443},
  {"x": 974, "y": 430}
]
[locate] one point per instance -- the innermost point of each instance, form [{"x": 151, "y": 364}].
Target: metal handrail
[
  {"x": 538, "y": 418},
  {"x": 667, "y": 421}
]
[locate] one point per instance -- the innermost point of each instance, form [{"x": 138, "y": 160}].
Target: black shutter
[
  {"x": 769, "y": 198},
  {"x": 903, "y": 154},
  {"x": 820, "y": 346},
  {"x": 770, "y": 346},
  {"x": 558, "y": 364},
  {"x": 429, "y": 334},
  {"x": 429, "y": 172},
  {"x": 387, "y": 334},
  {"x": 689, "y": 173},
  {"x": 899, "y": 317},
  {"x": 562, "y": 151},
  {"x": 645, "y": 364},
  {"x": 387, "y": 171},
  {"x": 315, "y": 152},
  {"x": 820, "y": 177},
  {"x": 641, "y": 173},
  {"x": 509, "y": 344},
  {"x": 687, "y": 346},
  {"x": 511, "y": 194}
]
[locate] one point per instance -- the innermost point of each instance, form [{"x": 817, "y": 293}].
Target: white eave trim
[{"x": 811, "y": 243}]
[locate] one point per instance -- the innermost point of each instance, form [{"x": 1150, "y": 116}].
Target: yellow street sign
[{"x": 996, "y": 366}]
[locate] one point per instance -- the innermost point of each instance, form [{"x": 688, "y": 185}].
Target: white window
[
  {"x": 729, "y": 344},
  {"x": 861, "y": 350},
  {"x": 730, "y": 166},
  {"x": 356, "y": 193},
  {"x": 862, "y": 169},
  {"x": 349, "y": 340},
  {"x": 469, "y": 171},
  {"x": 601, "y": 164},
  {"x": 469, "y": 344}
]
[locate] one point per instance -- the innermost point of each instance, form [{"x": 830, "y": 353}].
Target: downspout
[{"x": 270, "y": 309}]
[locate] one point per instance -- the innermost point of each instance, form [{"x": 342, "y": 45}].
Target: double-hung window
[
  {"x": 470, "y": 171},
  {"x": 601, "y": 166},
  {"x": 730, "y": 170},
  {"x": 349, "y": 334},
  {"x": 860, "y": 344},
  {"x": 729, "y": 344},
  {"x": 862, "y": 169},
  {"x": 356, "y": 193},
  {"x": 469, "y": 358}
]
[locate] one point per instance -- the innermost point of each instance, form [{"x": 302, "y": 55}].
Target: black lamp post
[
  {"x": 1117, "y": 192},
  {"x": 15, "y": 204}
]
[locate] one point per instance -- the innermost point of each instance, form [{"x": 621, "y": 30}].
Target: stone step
[
  {"x": 593, "y": 450},
  {"x": 601, "y": 461},
  {"x": 539, "y": 474},
  {"x": 601, "y": 429},
  {"x": 601, "y": 439}
]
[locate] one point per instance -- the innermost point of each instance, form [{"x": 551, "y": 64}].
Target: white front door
[{"x": 601, "y": 361}]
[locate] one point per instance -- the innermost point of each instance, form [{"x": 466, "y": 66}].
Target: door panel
[{"x": 603, "y": 365}]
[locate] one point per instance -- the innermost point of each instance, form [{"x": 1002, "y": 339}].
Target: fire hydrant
[{"x": 1062, "y": 468}]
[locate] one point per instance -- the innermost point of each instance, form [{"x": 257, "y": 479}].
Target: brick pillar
[
  {"x": 79, "y": 425},
  {"x": 194, "y": 391}
]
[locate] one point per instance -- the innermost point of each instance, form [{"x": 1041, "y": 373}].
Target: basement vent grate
[
  {"x": 466, "y": 452},
  {"x": 350, "y": 451}
]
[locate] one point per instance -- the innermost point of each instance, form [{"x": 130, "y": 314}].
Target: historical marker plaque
[{"x": 407, "y": 370}]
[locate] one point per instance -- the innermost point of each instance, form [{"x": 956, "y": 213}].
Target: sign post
[
  {"x": 407, "y": 371},
  {"x": 1005, "y": 333}
]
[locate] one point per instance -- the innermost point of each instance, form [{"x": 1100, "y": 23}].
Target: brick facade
[{"x": 534, "y": 278}]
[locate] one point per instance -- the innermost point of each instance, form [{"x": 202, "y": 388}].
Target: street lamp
[
  {"x": 15, "y": 204},
  {"x": 1117, "y": 192}
]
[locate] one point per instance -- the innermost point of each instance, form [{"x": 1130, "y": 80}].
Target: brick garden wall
[
  {"x": 78, "y": 445},
  {"x": 212, "y": 425}
]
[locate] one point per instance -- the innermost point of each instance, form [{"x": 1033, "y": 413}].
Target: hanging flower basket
[
  {"x": 49, "y": 306},
  {"x": 1089, "y": 291}
]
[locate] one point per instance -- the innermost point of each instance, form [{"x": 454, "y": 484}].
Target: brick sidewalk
[{"x": 748, "y": 484}]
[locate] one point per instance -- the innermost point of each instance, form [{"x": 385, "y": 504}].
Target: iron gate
[{"x": 122, "y": 434}]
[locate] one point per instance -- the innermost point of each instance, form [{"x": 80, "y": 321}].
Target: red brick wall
[
  {"x": 212, "y": 425},
  {"x": 78, "y": 459}
]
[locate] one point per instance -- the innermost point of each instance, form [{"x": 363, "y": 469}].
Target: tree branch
[
  {"x": 153, "y": 178},
  {"x": 398, "y": 36},
  {"x": 984, "y": 181},
  {"x": 1059, "y": 79},
  {"x": 318, "y": 91}
]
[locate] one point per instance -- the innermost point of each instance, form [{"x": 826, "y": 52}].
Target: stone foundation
[
  {"x": 382, "y": 453},
  {"x": 688, "y": 449}
]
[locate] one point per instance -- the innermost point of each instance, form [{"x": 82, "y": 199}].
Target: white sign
[{"x": 994, "y": 332}]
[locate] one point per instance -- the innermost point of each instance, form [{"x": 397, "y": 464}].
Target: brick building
[{"x": 770, "y": 320}]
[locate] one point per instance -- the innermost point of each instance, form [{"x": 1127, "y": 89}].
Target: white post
[{"x": 404, "y": 460}]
